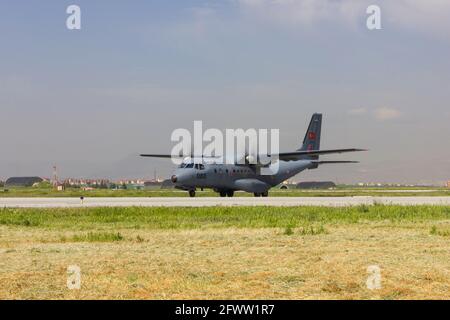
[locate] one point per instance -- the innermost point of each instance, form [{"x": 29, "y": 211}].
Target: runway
[{"x": 217, "y": 201}]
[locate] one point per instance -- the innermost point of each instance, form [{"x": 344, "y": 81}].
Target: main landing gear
[
  {"x": 225, "y": 193},
  {"x": 262, "y": 194}
]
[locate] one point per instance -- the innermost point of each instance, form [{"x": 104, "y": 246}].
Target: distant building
[
  {"x": 22, "y": 181},
  {"x": 316, "y": 185},
  {"x": 94, "y": 183},
  {"x": 287, "y": 184}
]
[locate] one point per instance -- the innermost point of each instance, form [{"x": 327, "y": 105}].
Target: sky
[{"x": 90, "y": 100}]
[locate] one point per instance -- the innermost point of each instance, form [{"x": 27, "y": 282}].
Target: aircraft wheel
[
  {"x": 256, "y": 194},
  {"x": 191, "y": 193},
  {"x": 230, "y": 193},
  {"x": 223, "y": 193},
  {"x": 265, "y": 193}
]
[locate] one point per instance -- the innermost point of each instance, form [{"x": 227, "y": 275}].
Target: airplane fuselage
[{"x": 230, "y": 177}]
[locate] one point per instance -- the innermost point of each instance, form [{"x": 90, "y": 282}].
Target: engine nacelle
[{"x": 251, "y": 159}]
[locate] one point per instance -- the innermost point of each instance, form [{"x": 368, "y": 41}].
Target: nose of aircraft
[{"x": 181, "y": 177}]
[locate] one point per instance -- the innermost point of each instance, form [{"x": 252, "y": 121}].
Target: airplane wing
[
  {"x": 295, "y": 155},
  {"x": 157, "y": 155},
  {"x": 179, "y": 156}
]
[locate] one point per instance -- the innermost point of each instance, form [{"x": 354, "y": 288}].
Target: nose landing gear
[{"x": 191, "y": 193}]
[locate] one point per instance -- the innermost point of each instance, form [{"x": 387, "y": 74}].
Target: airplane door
[{"x": 220, "y": 175}]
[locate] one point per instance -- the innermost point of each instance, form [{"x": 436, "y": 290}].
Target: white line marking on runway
[{"x": 213, "y": 201}]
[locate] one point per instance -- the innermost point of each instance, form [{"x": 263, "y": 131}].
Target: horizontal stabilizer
[{"x": 332, "y": 161}]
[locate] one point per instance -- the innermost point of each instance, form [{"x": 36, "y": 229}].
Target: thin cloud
[
  {"x": 385, "y": 113},
  {"x": 302, "y": 12},
  {"x": 431, "y": 16}
]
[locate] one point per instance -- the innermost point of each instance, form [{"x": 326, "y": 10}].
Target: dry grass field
[{"x": 226, "y": 253}]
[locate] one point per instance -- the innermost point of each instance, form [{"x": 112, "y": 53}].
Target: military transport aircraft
[{"x": 227, "y": 178}]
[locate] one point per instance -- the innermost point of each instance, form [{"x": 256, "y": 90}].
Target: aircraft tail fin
[{"x": 312, "y": 136}]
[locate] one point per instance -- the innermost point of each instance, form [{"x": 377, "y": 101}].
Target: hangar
[{"x": 22, "y": 181}]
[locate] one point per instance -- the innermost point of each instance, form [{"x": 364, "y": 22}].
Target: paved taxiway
[{"x": 217, "y": 201}]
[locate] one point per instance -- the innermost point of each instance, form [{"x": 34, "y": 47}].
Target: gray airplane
[{"x": 227, "y": 178}]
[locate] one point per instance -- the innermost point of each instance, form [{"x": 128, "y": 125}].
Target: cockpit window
[{"x": 190, "y": 165}]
